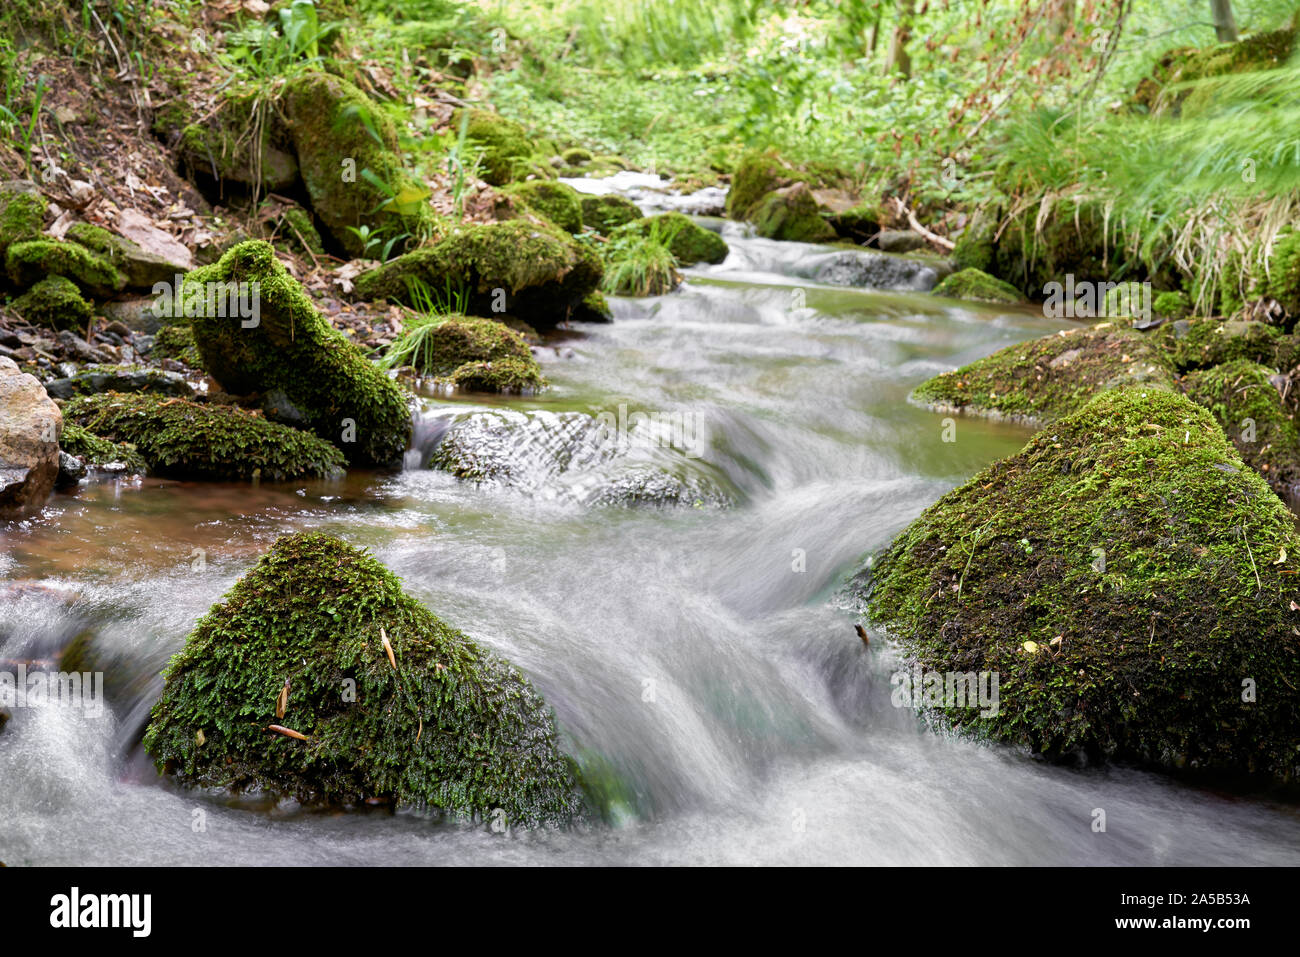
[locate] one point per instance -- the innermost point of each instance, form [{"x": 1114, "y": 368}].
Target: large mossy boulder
[
  {"x": 1248, "y": 407},
  {"x": 1128, "y": 579},
  {"x": 1041, "y": 380},
  {"x": 688, "y": 241},
  {"x": 532, "y": 271},
  {"x": 1172, "y": 87},
  {"x": 557, "y": 202},
  {"x": 606, "y": 213},
  {"x": 290, "y": 352},
  {"x": 55, "y": 302},
  {"x": 791, "y": 214},
  {"x": 756, "y": 174},
  {"x": 339, "y": 133},
  {"x": 199, "y": 440},
  {"x": 977, "y": 286},
  {"x": 302, "y": 642}
]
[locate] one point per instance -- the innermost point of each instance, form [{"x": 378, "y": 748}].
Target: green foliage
[
  {"x": 641, "y": 263},
  {"x": 689, "y": 242},
  {"x": 443, "y": 725},
  {"x": 97, "y": 452},
  {"x": 55, "y": 302}
]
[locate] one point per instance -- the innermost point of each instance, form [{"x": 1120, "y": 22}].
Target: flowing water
[{"x": 698, "y": 659}]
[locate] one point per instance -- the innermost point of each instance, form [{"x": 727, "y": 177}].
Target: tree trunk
[
  {"x": 899, "y": 60},
  {"x": 1225, "y": 24}
]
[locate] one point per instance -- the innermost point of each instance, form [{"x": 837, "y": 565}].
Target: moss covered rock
[
  {"x": 606, "y": 213},
  {"x": 22, "y": 213},
  {"x": 558, "y": 202},
  {"x": 1201, "y": 343},
  {"x": 55, "y": 302},
  {"x": 338, "y": 134},
  {"x": 457, "y": 340},
  {"x": 244, "y": 140},
  {"x": 506, "y": 151},
  {"x": 500, "y": 375},
  {"x": 791, "y": 214},
  {"x": 1038, "y": 381},
  {"x": 977, "y": 286},
  {"x": 1072, "y": 238},
  {"x": 757, "y": 174},
  {"x": 30, "y": 261},
  {"x": 99, "y": 453},
  {"x": 1128, "y": 579},
  {"x": 141, "y": 268},
  {"x": 1171, "y": 87},
  {"x": 593, "y": 308},
  {"x": 177, "y": 342},
  {"x": 1244, "y": 401},
  {"x": 689, "y": 242},
  {"x": 1282, "y": 281},
  {"x": 292, "y": 351},
  {"x": 203, "y": 440},
  {"x": 442, "y": 724},
  {"x": 1172, "y": 305},
  {"x": 858, "y": 224},
  {"x": 533, "y": 271}
]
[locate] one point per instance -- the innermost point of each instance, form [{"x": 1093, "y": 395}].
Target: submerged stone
[
  {"x": 1130, "y": 582},
  {"x": 302, "y": 643}
]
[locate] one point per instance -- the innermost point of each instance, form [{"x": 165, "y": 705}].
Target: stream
[{"x": 700, "y": 660}]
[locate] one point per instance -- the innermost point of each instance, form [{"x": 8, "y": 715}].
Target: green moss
[
  {"x": 576, "y": 157},
  {"x": 557, "y": 202},
  {"x": 1283, "y": 279},
  {"x": 1171, "y": 89},
  {"x": 453, "y": 728},
  {"x": 690, "y": 242},
  {"x": 500, "y": 375},
  {"x": 757, "y": 174},
  {"x": 1143, "y": 657},
  {"x": 22, "y": 216},
  {"x": 177, "y": 342},
  {"x": 593, "y": 308},
  {"x": 606, "y": 213},
  {"x": 1172, "y": 305},
  {"x": 30, "y": 261},
  {"x": 298, "y": 233},
  {"x": 204, "y": 441},
  {"x": 1071, "y": 239},
  {"x": 1200, "y": 343},
  {"x": 1247, "y": 406},
  {"x": 97, "y": 452},
  {"x": 142, "y": 269},
  {"x": 978, "y": 286},
  {"x": 791, "y": 214},
  {"x": 460, "y": 339},
  {"x": 292, "y": 350},
  {"x": 542, "y": 272},
  {"x": 858, "y": 224},
  {"x": 974, "y": 248},
  {"x": 507, "y": 153},
  {"x": 221, "y": 146},
  {"x": 339, "y": 135},
  {"x": 55, "y": 302},
  {"x": 1039, "y": 381}
]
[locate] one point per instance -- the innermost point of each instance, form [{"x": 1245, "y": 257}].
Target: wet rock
[
  {"x": 689, "y": 242},
  {"x": 873, "y": 271},
  {"x": 71, "y": 471},
  {"x": 345, "y": 397},
  {"x": 1123, "y": 586},
  {"x": 899, "y": 241},
  {"x": 55, "y": 302},
  {"x": 30, "y": 424},
  {"x": 791, "y": 214},
  {"x": 119, "y": 379},
  {"x": 142, "y": 269},
  {"x": 976, "y": 286},
  {"x": 317, "y": 677}
]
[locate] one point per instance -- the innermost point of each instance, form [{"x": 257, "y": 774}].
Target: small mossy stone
[
  {"x": 22, "y": 213},
  {"x": 757, "y": 174},
  {"x": 1044, "y": 379},
  {"x": 30, "y": 261},
  {"x": 606, "y": 213},
  {"x": 978, "y": 286},
  {"x": 344, "y": 397},
  {"x": 177, "y": 342},
  {"x": 532, "y": 271},
  {"x": 452, "y": 727},
  {"x": 576, "y": 156},
  {"x": 203, "y": 440},
  {"x": 791, "y": 214},
  {"x": 500, "y": 375},
  {"x": 1201, "y": 343},
  {"x": 338, "y": 133},
  {"x": 593, "y": 308},
  {"x": 1122, "y": 574},
  {"x": 142, "y": 269},
  {"x": 690, "y": 242},
  {"x": 506, "y": 152},
  {"x": 99, "y": 453},
  {"x": 1248, "y": 407},
  {"x": 457, "y": 340},
  {"x": 558, "y": 202},
  {"x": 55, "y": 302}
]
